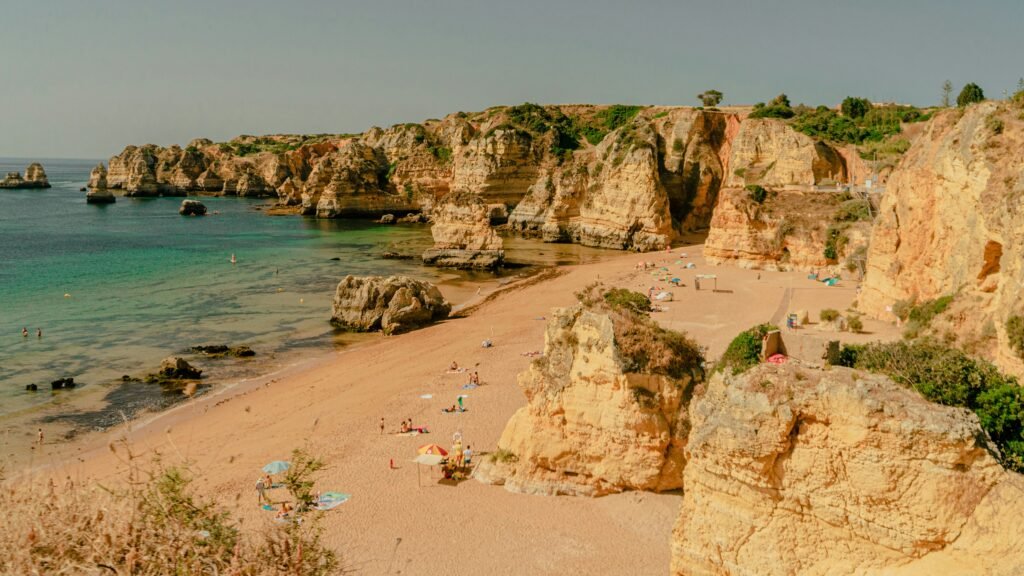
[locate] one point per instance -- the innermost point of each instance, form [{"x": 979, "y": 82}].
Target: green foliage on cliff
[
  {"x": 623, "y": 299},
  {"x": 779, "y": 107},
  {"x": 1015, "y": 332},
  {"x": 970, "y": 94},
  {"x": 852, "y": 211},
  {"x": 948, "y": 376},
  {"x": 744, "y": 352},
  {"x": 757, "y": 193},
  {"x": 855, "y": 107}
]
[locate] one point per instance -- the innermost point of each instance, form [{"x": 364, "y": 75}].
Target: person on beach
[
  {"x": 454, "y": 367},
  {"x": 475, "y": 378},
  {"x": 24, "y": 332},
  {"x": 39, "y": 333},
  {"x": 285, "y": 510},
  {"x": 40, "y": 438},
  {"x": 405, "y": 427},
  {"x": 382, "y": 426},
  {"x": 467, "y": 455},
  {"x": 261, "y": 491}
]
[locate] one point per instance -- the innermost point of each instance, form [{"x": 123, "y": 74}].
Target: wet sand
[{"x": 401, "y": 520}]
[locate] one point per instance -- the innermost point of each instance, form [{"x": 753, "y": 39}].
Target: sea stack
[
  {"x": 463, "y": 237},
  {"x": 192, "y": 208},
  {"x": 35, "y": 177}
]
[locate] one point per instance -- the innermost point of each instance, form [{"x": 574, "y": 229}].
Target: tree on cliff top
[
  {"x": 710, "y": 98},
  {"x": 969, "y": 95},
  {"x": 855, "y": 107},
  {"x": 947, "y": 93}
]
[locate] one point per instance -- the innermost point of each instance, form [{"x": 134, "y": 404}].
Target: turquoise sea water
[{"x": 116, "y": 288}]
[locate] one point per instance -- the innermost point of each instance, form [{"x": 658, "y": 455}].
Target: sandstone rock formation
[
  {"x": 35, "y": 177},
  {"x": 952, "y": 222},
  {"x": 393, "y": 304},
  {"x": 796, "y": 471},
  {"x": 192, "y": 208},
  {"x": 98, "y": 177},
  {"x": 463, "y": 237},
  {"x": 772, "y": 154},
  {"x": 595, "y": 422},
  {"x": 99, "y": 196},
  {"x": 789, "y": 230}
]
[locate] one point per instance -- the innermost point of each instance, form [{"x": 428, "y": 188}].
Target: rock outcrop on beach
[
  {"x": 176, "y": 367},
  {"x": 35, "y": 177},
  {"x": 463, "y": 237},
  {"x": 799, "y": 471},
  {"x": 392, "y": 304},
  {"x": 600, "y": 418},
  {"x": 192, "y": 208},
  {"x": 790, "y": 230},
  {"x": 952, "y": 223}
]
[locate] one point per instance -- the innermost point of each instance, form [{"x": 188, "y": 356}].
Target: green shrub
[
  {"x": 621, "y": 298},
  {"x": 901, "y": 308},
  {"x": 744, "y": 352},
  {"x": 994, "y": 124},
  {"x": 835, "y": 240},
  {"x": 829, "y": 315},
  {"x": 757, "y": 193},
  {"x": 970, "y": 94},
  {"x": 948, "y": 376},
  {"x": 504, "y": 456},
  {"x": 1015, "y": 333},
  {"x": 855, "y": 107},
  {"x": 710, "y": 98},
  {"x": 924, "y": 312},
  {"x": 855, "y": 323},
  {"x": 852, "y": 211}
]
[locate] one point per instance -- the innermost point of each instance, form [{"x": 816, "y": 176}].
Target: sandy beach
[{"x": 401, "y": 520}]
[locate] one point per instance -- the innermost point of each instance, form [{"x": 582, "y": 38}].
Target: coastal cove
[{"x": 115, "y": 288}]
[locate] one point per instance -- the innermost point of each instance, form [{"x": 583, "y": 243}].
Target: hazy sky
[{"x": 84, "y": 78}]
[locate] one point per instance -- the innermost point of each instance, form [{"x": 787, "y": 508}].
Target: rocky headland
[{"x": 35, "y": 177}]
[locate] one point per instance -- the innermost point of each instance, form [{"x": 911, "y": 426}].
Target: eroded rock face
[
  {"x": 590, "y": 426},
  {"x": 35, "y": 177},
  {"x": 463, "y": 237},
  {"x": 98, "y": 177},
  {"x": 770, "y": 153},
  {"x": 952, "y": 222},
  {"x": 99, "y": 196},
  {"x": 788, "y": 231},
  {"x": 393, "y": 304},
  {"x": 796, "y": 471}
]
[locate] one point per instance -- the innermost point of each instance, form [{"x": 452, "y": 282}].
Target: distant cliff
[{"x": 35, "y": 177}]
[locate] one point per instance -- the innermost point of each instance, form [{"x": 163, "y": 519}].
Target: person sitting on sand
[
  {"x": 405, "y": 427},
  {"x": 285, "y": 511},
  {"x": 454, "y": 367},
  {"x": 475, "y": 378},
  {"x": 449, "y": 410}
]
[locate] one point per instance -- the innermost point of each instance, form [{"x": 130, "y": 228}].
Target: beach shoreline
[{"x": 332, "y": 408}]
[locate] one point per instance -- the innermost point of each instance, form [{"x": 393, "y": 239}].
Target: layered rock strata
[
  {"x": 463, "y": 237},
  {"x": 393, "y": 304},
  {"x": 795, "y": 471},
  {"x": 952, "y": 223}
]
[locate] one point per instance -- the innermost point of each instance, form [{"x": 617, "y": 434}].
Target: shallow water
[{"x": 115, "y": 288}]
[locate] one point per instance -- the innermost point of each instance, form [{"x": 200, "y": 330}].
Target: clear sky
[{"x": 84, "y": 78}]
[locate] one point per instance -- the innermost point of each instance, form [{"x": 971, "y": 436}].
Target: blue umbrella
[{"x": 276, "y": 467}]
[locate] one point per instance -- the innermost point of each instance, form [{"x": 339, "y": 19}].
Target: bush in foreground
[
  {"x": 744, "y": 352},
  {"x": 950, "y": 377},
  {"x": 156, "y": 525}
]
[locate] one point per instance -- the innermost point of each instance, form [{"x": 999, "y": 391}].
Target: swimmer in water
[
  {"x": 233, "y": 259},
  {"x": 24, "y": 332}
]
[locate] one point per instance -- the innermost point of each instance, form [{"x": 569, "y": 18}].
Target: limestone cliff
[
  {"x": 790, "y": 230},
  {"x": 596, "y": 420},
  {"x": 952, "y": 222},
  {"x": 35, "y": 177},
  {"x": 463, "y": 237},
  {"x": 796, "y": 471},
  {"x": 772, "y": 154}
]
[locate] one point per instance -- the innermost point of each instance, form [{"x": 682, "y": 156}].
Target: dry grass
[{"x": 155, "y": 524}]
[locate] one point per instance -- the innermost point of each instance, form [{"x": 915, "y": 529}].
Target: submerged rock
[
  {"x": 62, "y": 383},
  {"x": 192, "y": 208},
  {"x": 393, "y": 304},
  {"x": 224, "y": 350}
]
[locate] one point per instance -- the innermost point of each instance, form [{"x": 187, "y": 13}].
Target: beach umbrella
[
  {"x": 427, "y": 459},
  {"x": 276, "y": 467},
  {"x": 433, "y": 449}
]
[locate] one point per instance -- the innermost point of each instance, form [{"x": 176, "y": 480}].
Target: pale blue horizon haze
[{"x": 84, "y": 79}]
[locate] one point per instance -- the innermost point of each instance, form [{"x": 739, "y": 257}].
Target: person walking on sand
[
  {"x": 382, "y": 426},
  {"x": 40, "y": 439},
  {"x": 261, "y": 491}
]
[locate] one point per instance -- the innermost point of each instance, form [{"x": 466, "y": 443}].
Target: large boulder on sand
[
  {"x": 463, "y": 237},
  {"x": 192, "y": 208},
  {"x": 393, "y": 304}
]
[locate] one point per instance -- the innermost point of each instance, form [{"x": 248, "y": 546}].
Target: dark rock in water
[
  {"x": 211, "y": 349},
  {"x": 62, "y": 383},
  {"x": 31, "y": 387},
  {"x": 82, "y": 189},
  {"x": 224, "y": 350},
  {"x": 126, "y": 378},
  {"x": 336, "y": 258},
  {"x": 192, "y": 208},
  {"x": 177, "y": 368},
  {"x": 396, "y": 256}
]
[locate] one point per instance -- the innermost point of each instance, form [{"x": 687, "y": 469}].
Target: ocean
[{"x": 116, "y": 288}]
